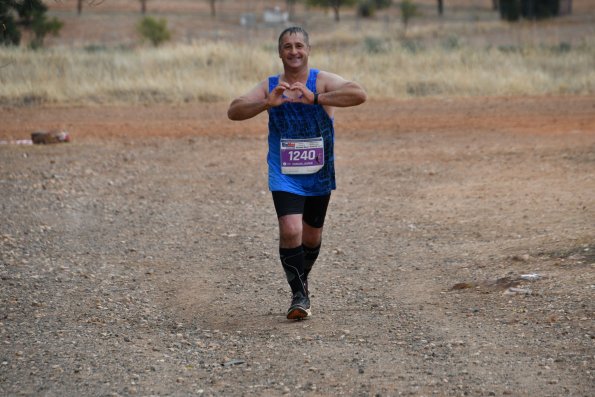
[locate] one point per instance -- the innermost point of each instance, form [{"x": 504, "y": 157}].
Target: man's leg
[
  {"x": 313, "y": 220},
  {"x": 291, "y": 251},
  {"x": 289, "y": 209},
  {"x": 311, "y": 242}
]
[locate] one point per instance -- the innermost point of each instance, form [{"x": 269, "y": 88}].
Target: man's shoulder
[{"x": 323, "y": 74}]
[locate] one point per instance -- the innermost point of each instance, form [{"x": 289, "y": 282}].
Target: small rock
[
  {"x": 462, "y": 286},
  {"x": 517, "y": 291},
  {"x": 233, "y": 362},
  {"x": 530, "y": 277},
  {"x": 521, "y": 258}
]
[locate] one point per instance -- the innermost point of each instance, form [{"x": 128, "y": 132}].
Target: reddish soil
[{"x": 141, "y": 258}]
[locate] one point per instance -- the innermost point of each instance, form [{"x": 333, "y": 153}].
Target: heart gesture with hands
[{"x": 293, "y": 93}]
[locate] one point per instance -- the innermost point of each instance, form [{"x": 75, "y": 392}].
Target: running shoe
[{"x": 300, "y": 307}]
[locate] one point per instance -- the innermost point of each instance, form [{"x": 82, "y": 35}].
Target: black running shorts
[{"x": 313, "y": 208}]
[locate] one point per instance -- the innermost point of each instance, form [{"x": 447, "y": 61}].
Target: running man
[{"x": 301, "y": 103}]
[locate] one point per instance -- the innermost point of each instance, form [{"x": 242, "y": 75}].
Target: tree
[
  {"x": 334, "y": 4},
  {"x": 9, "y": 32},
  {"x": 213, "y": 10},
  {"x": 143, "y": 6},
  {"x": 380, "y": 4},
  {"x": 510, "y": 10},
  {"x": 31, "y": 16},
  {"x": 408, "y": 11},
  {"x": 440, "y": 7},
  {"x": 79, "y": 4},
  {"x": 367, "y": 8},
  {"x": 291, "y": 8}
]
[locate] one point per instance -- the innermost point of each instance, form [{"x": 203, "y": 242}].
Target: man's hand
[
  {"x": 299, "y": 93},
  {"x": 256, "y": 100},
  {"x": 276, "y": 96}
]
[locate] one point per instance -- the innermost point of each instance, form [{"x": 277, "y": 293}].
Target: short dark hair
[{"x": 295, "y": 30}]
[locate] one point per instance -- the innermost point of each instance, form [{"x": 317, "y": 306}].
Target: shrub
[
  {"x": 366, "y": 9},
  {"x": 451, "y": 42},
  {"x": 154, "y": 30},
  {"x": 374, "y": 45},
  {"x": 41, "y": 26}
]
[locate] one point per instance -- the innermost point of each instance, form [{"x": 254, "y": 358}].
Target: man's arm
[
  {"x": 335, "y": 91},
  {"x": 256, "y": 101}
]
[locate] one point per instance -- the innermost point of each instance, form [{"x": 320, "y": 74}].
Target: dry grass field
[
  {"x": 99, "y": 58},
  {"x": 140, "y": 259}
]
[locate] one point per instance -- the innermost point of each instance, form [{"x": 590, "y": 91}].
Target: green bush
[
  {"x": 154, "y": 30},
  {"x": 374, "y": 45},
  {"x": 41, "y": 26},
  {"x": 451, "y": 42},
  {"x": 412, "y": 46},
  {"x": 366, "y": 9},
  {"x": 510, "y": 10}
]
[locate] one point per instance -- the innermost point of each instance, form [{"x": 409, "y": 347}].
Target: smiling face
[{"x": 294, "y": 51}]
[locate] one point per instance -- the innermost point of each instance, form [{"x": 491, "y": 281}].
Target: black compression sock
[
  {"x": 292, "y": 260},
  {"x": 310, "y": 256}
]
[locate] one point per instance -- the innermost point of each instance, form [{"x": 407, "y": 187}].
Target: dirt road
[{"x": 141, "y": 258}]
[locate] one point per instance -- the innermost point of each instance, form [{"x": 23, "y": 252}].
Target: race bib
[{"x": 302, "y": 156}]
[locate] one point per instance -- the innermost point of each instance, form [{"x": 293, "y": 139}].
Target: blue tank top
[{"x": 298, "y": 120}]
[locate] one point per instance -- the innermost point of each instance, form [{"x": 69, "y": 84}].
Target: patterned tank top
[{"x": 298, "y": 120}]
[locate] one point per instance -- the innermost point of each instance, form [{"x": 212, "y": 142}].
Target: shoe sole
[{"x": 298, "y": 313}]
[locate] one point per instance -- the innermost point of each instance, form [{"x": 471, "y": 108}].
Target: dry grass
[
  {"x": 218, "y": 71},
  {"x": 469, "y": 52}
]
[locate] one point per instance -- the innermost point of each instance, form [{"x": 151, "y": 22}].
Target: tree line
[
  {"x": 18, "y": 16},
  {"x": 365, "y": 8}
]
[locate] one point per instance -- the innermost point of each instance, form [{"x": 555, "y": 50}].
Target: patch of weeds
[
  {"x": 32, "y": 100},
  {"x": 584, "y": 253},
  {"x": 510, "y": 49},
  {"x": 561, "y": 48},
  {"x": 143, "y": 96},
  {"x": 452, "y": 42},
  {"x": 423, "y": 88},
  {"x": 270, "y": 47},
  {"x": 209, "y": 97},
  {"x": 411, "y": 46},
  {"x": 374, "y": 45},
  {"x": 94, "y": 48},
  {"x": 24, "y": 100}
]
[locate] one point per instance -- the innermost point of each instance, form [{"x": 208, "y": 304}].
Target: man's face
[{"x": 294, "y": 50}]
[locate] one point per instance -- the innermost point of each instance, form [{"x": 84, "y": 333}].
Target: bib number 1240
[{"x": 302, "y": 155}]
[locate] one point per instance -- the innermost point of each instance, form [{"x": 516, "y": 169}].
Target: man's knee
[
  {"x": 290, "y": 229},
  {"x": 311, "y": 236},
  {"x": 290, "y": 234}
]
